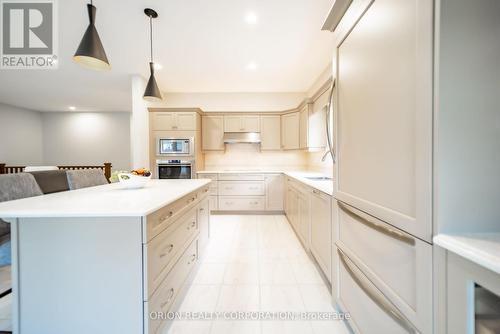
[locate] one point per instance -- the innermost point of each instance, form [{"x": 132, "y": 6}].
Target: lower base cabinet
[
  {"x": 162, "y": 300},
  {"x": 370, "y": 311},
  {"x": 241, "y": 203},
  {"x": 321, "y": 231}
]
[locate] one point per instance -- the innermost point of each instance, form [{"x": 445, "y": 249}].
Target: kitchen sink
[{"x": 319, "y": 178}]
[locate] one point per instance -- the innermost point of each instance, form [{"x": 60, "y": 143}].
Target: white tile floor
[{"x": 256, "y": 263}]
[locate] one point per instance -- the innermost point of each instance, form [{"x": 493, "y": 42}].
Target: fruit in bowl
[
  {"x": 141, "y": 172},
  {"x": 136, "y": 179}
]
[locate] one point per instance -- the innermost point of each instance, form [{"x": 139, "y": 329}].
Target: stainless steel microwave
[{"x": 175, "y": 146}]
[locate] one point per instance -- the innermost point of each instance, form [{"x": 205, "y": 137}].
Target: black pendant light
[
  {"x": 152, "y": 92},
  {"x": 90, "y": 52}
]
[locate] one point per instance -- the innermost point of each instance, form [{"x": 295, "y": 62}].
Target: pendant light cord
[{"x": 151, "y": 35}]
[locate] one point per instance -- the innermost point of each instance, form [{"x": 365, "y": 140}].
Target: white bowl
[{"x": 131, "y": 181}]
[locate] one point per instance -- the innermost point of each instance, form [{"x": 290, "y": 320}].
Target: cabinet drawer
[
  {"x": 241, "y": 177},
  {"x": 370, "y": 310},
  {"x": 164, "y": 248},
  {"x": 159, "y": 220},
  {"x": 164, "y": 297},
  {"x": 240, "y": 188},
  {"x": 205, "y": 191},
  {"x": 399, "y": 264},
  {"x": 241, "y": 203}
]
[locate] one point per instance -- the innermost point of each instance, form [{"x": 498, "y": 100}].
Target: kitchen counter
[
  {"x": 109, "y": 200},
  {"x": 325, "y": 186},
  {"x": 99, "y": 253},
  {"x": 480, "y": 248}
]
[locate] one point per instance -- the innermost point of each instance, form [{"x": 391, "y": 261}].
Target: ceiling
[{"x": 202, "y": 45}]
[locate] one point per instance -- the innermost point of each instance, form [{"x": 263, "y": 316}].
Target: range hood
[{"x": 242, "y": 138}]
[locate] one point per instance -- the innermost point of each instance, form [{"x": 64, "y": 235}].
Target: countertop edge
[
  {"x": 292, "y": 174},
  {"x": 475, "y": 254}
]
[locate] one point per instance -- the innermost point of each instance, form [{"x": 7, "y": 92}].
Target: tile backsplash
[{"x": 249, "y": 156}]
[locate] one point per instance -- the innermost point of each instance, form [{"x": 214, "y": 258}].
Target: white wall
[
  {"x": 139, "y": 125},
  {"x": 235, "y": 102},
  {"x": 20, "y": 136},
  {"x": 86, "y": 139}
]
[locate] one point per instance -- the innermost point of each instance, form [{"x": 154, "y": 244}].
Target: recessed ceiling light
[
  {"x": 72, "y": 108},
  {"x": 158, "y": 66},
  {"x": 251, "y": 18},
  {"x": 252, "y": 66}
]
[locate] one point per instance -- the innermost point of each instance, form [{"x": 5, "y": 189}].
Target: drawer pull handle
[
  {"x": 193, "y": 224},
  {"x": 378, "y": 297},
  {"x": 202, "y": 209},
  {"x": 170, "y": 295},
  {"x": 163, "y": 218},
  {"x": 367, "y": 220},
  {"x": 169, "y": 249},
  {"x": 316, "y": 192},
  {"x": 205, "y": 191},
  {"x": 191, "y": 260}
]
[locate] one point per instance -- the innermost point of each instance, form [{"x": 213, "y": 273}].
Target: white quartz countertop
[
  {"x": 480, "y": 248},
  {"x": 325, "y": 186},
  {"x": 109, "y": 200}
]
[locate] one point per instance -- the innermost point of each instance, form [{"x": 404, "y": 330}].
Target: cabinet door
[
  {"x": 164, "y": 121},
  {"x": 270, "y": 133},
  {"x": 251, "y": 123},
  {"x": 213, "y": 133},
  {"x": 304, "y": 219},
  {"x": 321, "y": 231},
  {"x": 291, "y": 131},
  {"x": 233, "y": 124},
  {"x": 185, "y": 121},
  {"x": 304, "y": 127},
  {"x": 384, "y": 118},
  {"x": 274, "y": 192},
  {"x": 204, "y": 223}
]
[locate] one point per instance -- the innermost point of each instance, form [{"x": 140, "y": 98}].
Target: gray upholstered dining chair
[
  {"x": 84, "y": 178},
  {"x": 12, "y": 187}
]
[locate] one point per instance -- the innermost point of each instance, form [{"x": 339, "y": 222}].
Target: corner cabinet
[
  {"x": 384, "y": 113},
  {"x": 212, "y": 128},
  {"x": 290, "y": 124}
]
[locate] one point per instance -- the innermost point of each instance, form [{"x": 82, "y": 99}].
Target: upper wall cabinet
[
  {"x": 312, "y": 127},
  {"x": 270, "y": 132},
  {"x": 182, "y": 121},
  {"x": 241, "y": 123},
  {"x": 384, "y": 116},
  {"x": 290, "y": 131},
  {"x": 213, "y": 133}
]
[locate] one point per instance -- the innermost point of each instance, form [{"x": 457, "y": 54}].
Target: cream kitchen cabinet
[
  {"x": 304, "y": 218},
  {"x": 213, "y": 133},
  {"x": 241, "y": 123},
  {"x": 385, "y": 115},
  {"x": 290, "y": 124},
  {"x": 274, "y": 192},
  {"x": 312, "y": 128},
  {"x": 298, "y": 210},
  {"x": 181, "y": 121},
  {"x": 321, "y": 230},
  {"x": 270, "y": 132}
]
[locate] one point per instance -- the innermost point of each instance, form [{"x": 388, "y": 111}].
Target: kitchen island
[{"x": 103, "y": 259}]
